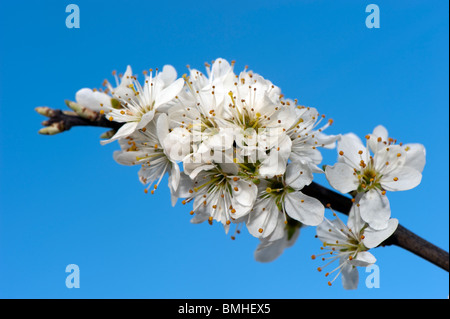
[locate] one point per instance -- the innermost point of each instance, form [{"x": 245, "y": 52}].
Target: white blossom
[
  {"x": 136, "y": 105},
  {"x": 392, "y": 167},
  {"x": 146, "y": 148},
  {"x": 349, "y": 245},
  {"x": 280, "y": 199}
]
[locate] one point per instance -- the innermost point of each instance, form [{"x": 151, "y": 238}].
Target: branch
[{"x": 60, "y": 121}]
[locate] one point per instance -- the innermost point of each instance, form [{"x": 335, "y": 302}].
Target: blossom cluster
[{"x": 241, "y": 153}]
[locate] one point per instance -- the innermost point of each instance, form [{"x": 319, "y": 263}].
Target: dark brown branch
[
  {"x": 60, "y": 121},
  {"x": 71, "y": 120},
  {"x": 402, "y": 237}
]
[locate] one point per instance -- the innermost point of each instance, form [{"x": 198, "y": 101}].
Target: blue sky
[{"x": 63, "y": 199}]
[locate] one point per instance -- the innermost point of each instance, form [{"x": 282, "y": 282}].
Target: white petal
[
  {"x": 401, "y": 179},
  {"x": 325, "y": 235},
  {"x": 350, "y": 277},
  {"x": 174, "y": 177},
  {"x": 169, "y": 93},
  {"x": 268, "y": 250},
  {"x": 415, "y": 156},
  {"x": 375, "y": 209},
  {"x": 341, "y": 177},
  {"x": 126, "y": 158},
  {"x": 200, "y": 216},
  {"x": 355, "y": 221},
  {"x": 168, "y": 74},
  {"x": 126, "y": 130},
  {"x": 372, "y": 237},
  {"x": 389, "y": 158},
  {"x": 298, "y": 175},
  {"x": 193, "y": 169},
  {"x": 379, "y": 131},
  {"x": 93, "y": 100},
  {"x": 243, "y": 196},
  {"x": 307, "y": 210},
  {"x": 220, "y": 69},
  {"x": 184, "y": 185},
  {"x": 145, "y": 119},
  {"x": 264, "y": 219},
  {"x": 363, "y": 259},
  {"x": 162, "y": 127},
  {"x": 351, "y": 145},
  {"x": 273, "y": 165}
]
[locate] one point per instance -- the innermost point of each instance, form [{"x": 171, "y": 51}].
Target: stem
[
  {"x": 64, "y": 121},
  {"x": 402, "y": 237}
]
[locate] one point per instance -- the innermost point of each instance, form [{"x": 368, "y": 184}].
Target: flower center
[{"x": 368, "y": 177}]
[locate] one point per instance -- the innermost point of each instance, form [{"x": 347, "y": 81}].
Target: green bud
[
  {"x": 45, "y": 111},
  {"x": 82, "y": 111},
  {"x": 50, "y": 130},
  {"x": 108, "y": 134},
  {"x": 116, "y": 104}
]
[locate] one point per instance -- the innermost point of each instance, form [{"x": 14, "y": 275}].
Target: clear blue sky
[{"x": 63, "y": 199}]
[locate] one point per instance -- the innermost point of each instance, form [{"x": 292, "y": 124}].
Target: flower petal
[
  {"x": 350, "y": 277},
  {"x": 378, "y": 138},
  {"x": 305, "y": 209},
  {"x": 415, "y": 156},
  {"x": 126, "y": 130},
  {"x": 145, "y": 119},
  {"x": 298, "y": 175},
  {"x": 341, "y": 177},
  {"x": 401, "y": 179},
  {"x": 350, "y": 146},
  {"x": 243, "y": 196},
  {"x": 372, "y": 237},
  {"x": 264, "y": 219},
  {"x": 363, "y": 259},
  {"x": 93, "y": 100},
  {"x": 268, "y": 250},
  {"x": 169, "y": 93},
  {"x": 168, "y": 74},
  {"x": 375, "y": 209}
]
